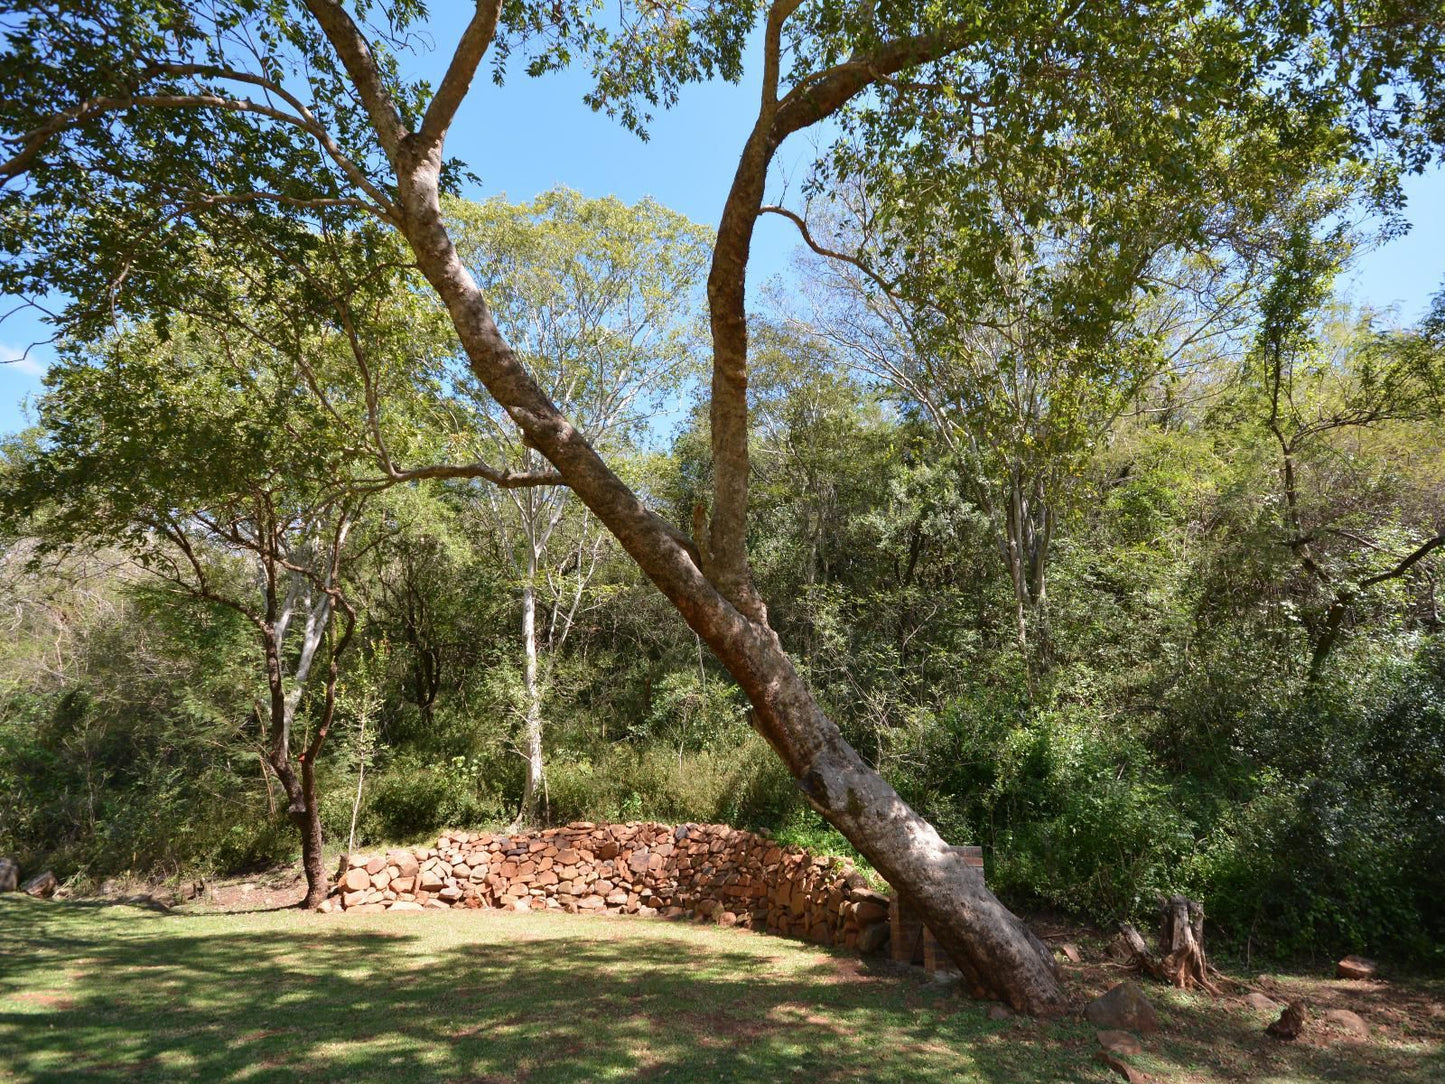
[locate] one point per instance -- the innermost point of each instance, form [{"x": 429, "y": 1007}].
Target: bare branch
[
  {"x": 505, "y": 477},
  {"x": 878, "y": 280},
  {"x": 1406, "y": 563},
  {"x": 458, "y": 79}
]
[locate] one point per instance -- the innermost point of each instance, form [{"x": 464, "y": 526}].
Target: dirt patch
[
  {"x": 1205, "y": 1038},
  {"x": 273, "y": 892},
  {"x": 58, "y": 1002}
]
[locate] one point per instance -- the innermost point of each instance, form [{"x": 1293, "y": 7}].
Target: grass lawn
[{"x": 104, "y": 992}]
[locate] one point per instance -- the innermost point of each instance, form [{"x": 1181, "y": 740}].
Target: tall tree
[
  {"x": 1323, "y": 392},
  {"x": 239, "y": 500},
  {"x": 596, "y": 298},
  {"x": 303, "y": 114}
]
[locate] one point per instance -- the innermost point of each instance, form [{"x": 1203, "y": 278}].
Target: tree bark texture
[{"x": 1181, "y": 960}]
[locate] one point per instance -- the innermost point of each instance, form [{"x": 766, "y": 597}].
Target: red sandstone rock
[{"x": 1355, "y": 967}]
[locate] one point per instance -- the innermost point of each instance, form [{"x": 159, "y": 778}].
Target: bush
[{"x": 411, "y": 798}]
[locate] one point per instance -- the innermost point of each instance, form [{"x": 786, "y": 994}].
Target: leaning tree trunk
[
  {"x": 983, "y": 937},
  {"x": 977, "y": 931}
]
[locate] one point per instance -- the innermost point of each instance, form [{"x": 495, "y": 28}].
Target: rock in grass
[
  {"x": 1352, "y": 1024},
  {"x": 1260, "y": 1003},
  {"x": 1123, "y": 1068},
  {"x": 1290, "y": 1023},
  {"x": 1355, "y": 967},
  {"x": 42, "y": 886},
  {"x": 1120, "y": 1042},
  {"x": 1125, "y": 1008}
]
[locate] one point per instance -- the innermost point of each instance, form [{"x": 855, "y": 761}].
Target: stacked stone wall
[{"x": 709, "y": 872}]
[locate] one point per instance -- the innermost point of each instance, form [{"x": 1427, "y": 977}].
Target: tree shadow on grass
[
  {"x": 89, "y": 994},
  {"x": 1229, "y": 1038},
  {"x": 142, "y": 997}
]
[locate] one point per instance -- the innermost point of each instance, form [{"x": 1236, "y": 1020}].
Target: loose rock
[
  {"x": 1290, "y": 1023},
  {"x": 1120, "y": 1042},
  {"x": 1260, "y": 1003},
  {"x": 1352, "y": 1024},
  {"x": 1355, "y": 967},
  {"x": 42, "y": 886},
  {"x": 1123, "y": 1068},
  {"x": 1123, "y": 1007}
]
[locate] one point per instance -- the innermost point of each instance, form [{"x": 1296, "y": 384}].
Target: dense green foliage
[
  {"x": 1231, "y": 686},
  {"x": 1180, "y": 740}
]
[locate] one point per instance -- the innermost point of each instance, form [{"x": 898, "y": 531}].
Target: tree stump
[
  {"x": 1181, "y": 942},
  {"x": 1135, "y": 951},
  {"x": 1181, "y": 959}
]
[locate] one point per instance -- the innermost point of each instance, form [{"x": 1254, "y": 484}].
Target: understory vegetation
[{"x": 1169, "y": 725}]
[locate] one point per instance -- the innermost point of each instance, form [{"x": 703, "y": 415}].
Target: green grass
[
  {"x": 90, "y": 991},
  {"x": 114, "y": 993}
]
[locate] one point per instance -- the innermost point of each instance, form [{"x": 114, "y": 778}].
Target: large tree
[
  {"x": 137, "y": 131},
  {"x": 1337, "y": 398}
]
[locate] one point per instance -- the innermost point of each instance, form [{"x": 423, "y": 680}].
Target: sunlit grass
[{"x": 95, "y": 992}]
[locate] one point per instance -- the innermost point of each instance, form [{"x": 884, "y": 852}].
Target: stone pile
[{"x": 709, "y": 872}]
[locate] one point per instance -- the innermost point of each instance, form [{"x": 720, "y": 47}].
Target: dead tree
[{"x": 1181, "y": 960}]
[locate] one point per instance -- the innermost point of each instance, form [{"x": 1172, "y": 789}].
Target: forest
[
  {"x": 1180, "y": 634},
  {"x": 1058, "y": 476}
]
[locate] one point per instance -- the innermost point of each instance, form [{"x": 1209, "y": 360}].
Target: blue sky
[{"x": 533, "y": 134}]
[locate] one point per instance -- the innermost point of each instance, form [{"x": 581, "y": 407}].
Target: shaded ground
[{"x": 92, "y": 991}]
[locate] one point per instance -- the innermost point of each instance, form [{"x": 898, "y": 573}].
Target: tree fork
[{"x": 963, "y": 914}]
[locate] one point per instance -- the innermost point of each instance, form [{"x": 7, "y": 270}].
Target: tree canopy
[{"x": 157, "y": 150}]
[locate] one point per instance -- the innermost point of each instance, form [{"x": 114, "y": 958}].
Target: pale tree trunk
[
  {"x": 712, "y": 589},
  {"x": 532, "y": 728},
  {"x": 1026, "y": 536}
]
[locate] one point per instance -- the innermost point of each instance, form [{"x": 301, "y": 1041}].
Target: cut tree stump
[
  {"x": 1181, "y": 940},
  {"x": 1181, "y": 959}
]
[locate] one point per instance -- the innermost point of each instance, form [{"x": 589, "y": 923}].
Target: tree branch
[
  {"x": 355, "y": 54},
  {"x": 828, "y": 253},
  {"x": 458, "y": 79},
  {"x": 1406, "y": 563},
  {"x": 505, "y": 477}
]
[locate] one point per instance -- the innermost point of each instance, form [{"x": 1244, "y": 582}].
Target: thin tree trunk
[
  {"x": 360, "y": 777},
  {"x": 532, "y": 729},
  {"x": 302, "y": 809},
  {"x": 308, "y": 820}
]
